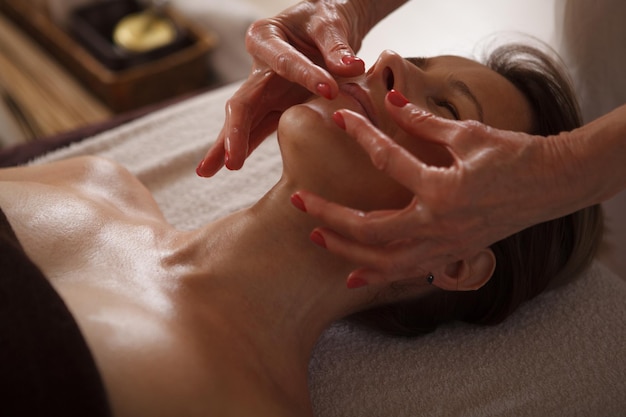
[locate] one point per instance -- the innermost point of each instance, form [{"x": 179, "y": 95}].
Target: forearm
[{"x": 600, "y": 146}]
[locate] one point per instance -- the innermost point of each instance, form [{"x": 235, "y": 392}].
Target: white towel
[{"x": 562, "y": 354}]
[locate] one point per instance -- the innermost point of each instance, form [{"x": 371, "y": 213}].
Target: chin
[
  {"x": 304, "y": 119},
  {"x": 322, "y": 158},
  {"x": 313, "y": 148}
]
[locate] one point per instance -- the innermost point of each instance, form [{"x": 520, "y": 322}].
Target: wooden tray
[{"x": 180, "y": 72}]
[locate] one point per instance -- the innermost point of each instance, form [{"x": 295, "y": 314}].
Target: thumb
[{"x": 339, "y": 57}]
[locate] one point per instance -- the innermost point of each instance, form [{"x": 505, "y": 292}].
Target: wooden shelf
[{"x": 178, "y": 73}]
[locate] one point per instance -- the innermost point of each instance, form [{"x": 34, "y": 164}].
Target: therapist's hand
[
  {"x": 499, "y": 183},
  {"x": 294, "y": 55}
]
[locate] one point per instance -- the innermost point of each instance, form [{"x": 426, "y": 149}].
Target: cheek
[
  {"x": 324, "y": 159},
  {"x": 428, "y": 152},
  {"x": 302, "y": 120}
]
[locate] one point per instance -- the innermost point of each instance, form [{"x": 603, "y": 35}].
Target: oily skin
[
  {"x": 185, "y": 314},
  {"x": 431, "y": 84}
]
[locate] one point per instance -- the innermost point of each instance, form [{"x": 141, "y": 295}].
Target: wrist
[
  {"x": 601, "y": 147},
  {"x": 587, "y": 163}
]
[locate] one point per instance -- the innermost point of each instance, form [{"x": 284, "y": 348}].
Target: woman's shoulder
[
  {"x": 60, "y": 171},
  {"x": 97, "y": 180},
  {"x": 79, "y": 215}
]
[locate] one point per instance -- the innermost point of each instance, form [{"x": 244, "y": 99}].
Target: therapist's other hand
[
  {"x": 294, "y": 55},
  {"x": 498, "y": 183}
]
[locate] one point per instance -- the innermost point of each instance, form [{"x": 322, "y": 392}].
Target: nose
[{"x": 392, "y": 71}]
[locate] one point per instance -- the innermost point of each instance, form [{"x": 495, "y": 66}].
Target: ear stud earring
[{"x": 430, "y": 278}]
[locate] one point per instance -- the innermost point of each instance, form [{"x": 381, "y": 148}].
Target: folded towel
[{"x": 562, "y": 354}]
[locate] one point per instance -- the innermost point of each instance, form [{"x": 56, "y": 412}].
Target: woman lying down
[{"x": 221, "y": 321}]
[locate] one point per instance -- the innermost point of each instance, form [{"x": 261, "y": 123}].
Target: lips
[{"x": 362, "y": 99}]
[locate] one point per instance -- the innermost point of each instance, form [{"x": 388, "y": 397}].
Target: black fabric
[{"x": 46, "y": 368}]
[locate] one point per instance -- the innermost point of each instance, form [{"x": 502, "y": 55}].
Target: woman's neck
[{"x": 283, "y": 290}]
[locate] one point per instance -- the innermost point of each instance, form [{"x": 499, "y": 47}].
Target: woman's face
[{"x": 327, "y": 161}]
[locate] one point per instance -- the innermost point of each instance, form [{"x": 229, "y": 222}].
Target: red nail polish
[
  {"x": 348, "y": 59},
  {"x": 351, "y": 60},
  {"x": 397, "y": 99},
  {"x": 354, "y": 282},
  {"x": 324, "y": 90},
  {"x": 339, "y": 120},
  {"x": 226, "y": 158},
  {"x": 317, "y": 238},
  {"x": 199, "y": 169},
  {"x": 298, "y": 203}
]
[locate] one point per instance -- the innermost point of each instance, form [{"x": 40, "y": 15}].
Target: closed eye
[{"x": 449, "y": 107}]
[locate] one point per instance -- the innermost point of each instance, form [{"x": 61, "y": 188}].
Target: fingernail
[
  {"x": 317, "y": 238},
  {"x": 199, "y": 169},
  {"x": 351, "y": 60},
  {"x": 354, "y": 282},
  {"x": 298, "y": 203},
  {"x": 397, "y": 99},
  {"x": 324, "y": 90},
  {"x": 339, "y": 120},
  {"x": 227, "y": 148}
]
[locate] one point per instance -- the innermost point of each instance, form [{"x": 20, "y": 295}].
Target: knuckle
[
  {"x": 473, "y": 125},
  {"x": 475, "y": 129},
  {"x": 254, "y": 34},
  {"x": 416, "y": 114},
  {"x": 282, "y": 62},
  {"x": 382, "y": 156},
  {"x": 366, "y": 233},
  {"x": 256, "y": 28}
]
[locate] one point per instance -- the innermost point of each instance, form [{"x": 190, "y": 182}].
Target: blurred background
[{"x": 61, "y": 67}]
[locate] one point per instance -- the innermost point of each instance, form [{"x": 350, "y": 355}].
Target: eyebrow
[
  {"x": 458, "y": 85},
  {"x": 462, "y": 88}
]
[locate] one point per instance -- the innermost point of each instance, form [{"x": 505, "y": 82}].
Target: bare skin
[
  {"x": 221, "y": 320},
  {"x": 175, "y": 318},
  {"x": 579, "y": 169},
  {"x": 287, "y": 50}
]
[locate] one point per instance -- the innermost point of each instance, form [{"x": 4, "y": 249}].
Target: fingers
[
  {"x": 385, "y": 154},
  {"x": 249, "y": 119},
  {"x": 457, "y": 136},
  {"x": 382, "y": 264},
  {"x": 231, "y": 146},
  {"x": 373, "y": 228},
  {"x": 380, "y": 242},
  {"x": 268, "y": 44},
  {"x": 213, "y": 161},
  {"x": 416, "y": 121},
  {"x": 338, "y": 55}
]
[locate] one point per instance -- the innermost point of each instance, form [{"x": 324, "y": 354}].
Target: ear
[{"x": 467, "y": 274}]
